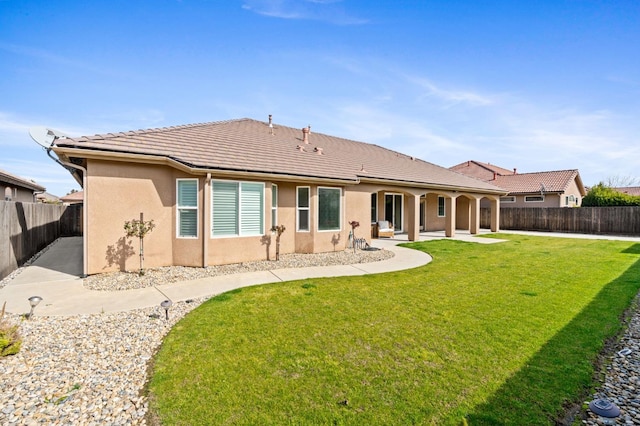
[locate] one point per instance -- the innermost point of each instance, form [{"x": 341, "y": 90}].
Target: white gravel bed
[
  {"x": 172, "y": 274},
  {"x": 621, "y": 384},
  {"x": 83, "y": 370}
]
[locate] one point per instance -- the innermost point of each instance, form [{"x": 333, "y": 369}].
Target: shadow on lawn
[
  {"x": 634, "y": 249},
  {"x": 560, "y": 375}
]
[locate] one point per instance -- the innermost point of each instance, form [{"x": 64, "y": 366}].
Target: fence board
[{"x": 586, "y": 220}]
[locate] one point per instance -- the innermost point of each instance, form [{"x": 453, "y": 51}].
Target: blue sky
[{"x": 535, "y": 85}]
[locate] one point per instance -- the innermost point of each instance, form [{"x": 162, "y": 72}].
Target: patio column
[
  {"x": 495, "y": 215},
  {"x": 413, "y": 217},
  {"x": 474, "y": 204},
  {"x": 450, "y": 209}
]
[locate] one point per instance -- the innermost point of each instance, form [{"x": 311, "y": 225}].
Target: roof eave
[
  {"x": 94, "y": 154},
  {"x": 449, "y": 188}
]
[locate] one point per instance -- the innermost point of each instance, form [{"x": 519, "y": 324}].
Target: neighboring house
[
  {"x": 45, "y": 197},
  {"x": 215, "y": 190},
  {"x": 630, "y": 190},
  {"x": 16, "y": 188},
  {"x": 560, "y": 188},
  {"x": 73, "y": 198}
]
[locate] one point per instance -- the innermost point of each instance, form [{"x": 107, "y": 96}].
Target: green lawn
[{"x": 494, "y": 334}]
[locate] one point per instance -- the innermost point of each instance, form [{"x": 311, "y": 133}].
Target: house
[
  {"x": 19, "y": 189},
  {"x": 560, "y": 188},
  {"x": 214, "y": 191},
  {"x": 45, "y": 197},
  {"x": 73, "y": 198}
]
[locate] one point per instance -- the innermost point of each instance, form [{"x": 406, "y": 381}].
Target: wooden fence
[
  {"x": 585, "y": 220},
  {"x": 27, "y": 228}
]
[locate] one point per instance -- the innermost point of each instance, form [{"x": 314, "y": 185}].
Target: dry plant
[{"x": 10, "y": 339}]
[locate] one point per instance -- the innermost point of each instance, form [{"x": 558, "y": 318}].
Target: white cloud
[
  {"x": 319, "y": 10},
  {"x": 450, "y": 97}
]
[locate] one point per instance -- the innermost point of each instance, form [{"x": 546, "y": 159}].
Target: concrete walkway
[{"x": 55, "y": 276}]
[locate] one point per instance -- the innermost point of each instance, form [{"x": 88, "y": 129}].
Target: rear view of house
[{"x": 215, "y": 190}]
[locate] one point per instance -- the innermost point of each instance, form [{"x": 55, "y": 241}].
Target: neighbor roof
[
  {"x": 529, "y": 183},
  {"x": 18, "y": 181},
  {"x": 479, "y": 170},
  {"x": 631, "y": 190},
  {"x": 73, "y": 197},
  {"x": 251, "y": 146}
]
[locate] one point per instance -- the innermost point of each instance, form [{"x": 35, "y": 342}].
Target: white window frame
[
  {"x": 240, "y": 233},
  {"x": 298, "y": 208},
  {"x": 444, "y": 206},
  {"x": 274, "y": 206},
  {"x": 180, "y": 208},
  {"x": 507, "y": 199},
  {"x": 540, "y": 200},
  {"x": 339, "y": 228}
]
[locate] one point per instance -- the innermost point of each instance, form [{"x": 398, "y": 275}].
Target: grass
[{"x": 492, "y": 334}]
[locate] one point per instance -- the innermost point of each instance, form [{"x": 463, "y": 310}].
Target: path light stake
[
  {"x": 166, "y": 304},
  {"x": 33, "y": 301}
]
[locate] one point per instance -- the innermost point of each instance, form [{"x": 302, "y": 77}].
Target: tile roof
[
  {"x": 528, "y": 183},
  {"x": 631, "y": 190},
  {"x": 18, "y": 181},
  {"x": 247, "y": 145},
  {"x": 73, "y": 197},
  {"x": 479, "y": 170}
]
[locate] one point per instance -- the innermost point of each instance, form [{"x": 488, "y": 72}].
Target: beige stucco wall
[
  {"x": 433, "y": 221},
  {"x": 463, "y": 213},
  {"x": 572, "y": 190},
  {"x": 550, "y": 200},
  {"x": 119, "y": 192},
  {"x": 17, "y": 194}
]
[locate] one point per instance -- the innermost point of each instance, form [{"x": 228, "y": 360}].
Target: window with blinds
[
  {"x": 187, "y": 205},
  {"x": 237, "y": 208}
]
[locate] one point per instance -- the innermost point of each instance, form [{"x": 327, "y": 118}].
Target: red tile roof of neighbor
[
  {"x": 631, "y": 190},
  {"x": 73, "y": 197},
  {"x": 528, "y": 183},
  {"x": 479, "y": 170},
  {"x": 247, "y": 145}
]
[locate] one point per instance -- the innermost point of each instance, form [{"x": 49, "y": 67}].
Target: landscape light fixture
[
  {"x": 607, "y": 411},
  {"x": 166, "y": 304},
  {"x": 33, "y": 301}
]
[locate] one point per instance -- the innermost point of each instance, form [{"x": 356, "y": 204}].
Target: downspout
[
  {"x": 85, "y": 212},
  {"x": 205, "y": 215}
]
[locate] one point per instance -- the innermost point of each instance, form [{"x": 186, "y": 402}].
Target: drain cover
[{"x": 604, "y": 408}]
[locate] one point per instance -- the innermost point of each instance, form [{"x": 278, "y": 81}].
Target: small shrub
[{"x": 10, "y": 340}]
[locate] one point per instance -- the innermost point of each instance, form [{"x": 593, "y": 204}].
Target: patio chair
[{"x": 385, "y": 229}]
